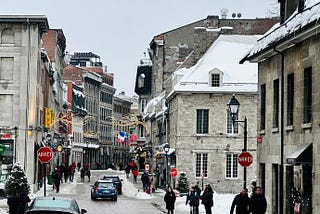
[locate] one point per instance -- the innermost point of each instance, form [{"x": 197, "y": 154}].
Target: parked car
[
  {"x": 54, "y": 205},
  {"x": 104, "y": 189},
  {"x": 116, "y": 180}
]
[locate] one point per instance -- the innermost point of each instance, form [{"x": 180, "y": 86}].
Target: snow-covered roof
[
  {"x": 223, "y": 55},
  {"x": 294, "y": 23},
  {"x": 155, "y": 106}
]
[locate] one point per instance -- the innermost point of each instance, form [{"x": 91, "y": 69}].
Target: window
[
  {"x": 202, "y": 121},
  {"x": 201, "y": 165},
  {"x": 276, "y": 103},
  {"x": 231, "y": 165},
  {"x": 141, "y": 132},
  {"x": 143, "y": 103},
  {"x": 307, "y": 99},
  {"x": 290, "y": 99},
  {"x": 232, "y": 128},
  {"x": 215, "y": 80},
  {"x": 141, "y": 79},
  {"x": 6, "y": 68},
  {"x": 263, "y": 107}
]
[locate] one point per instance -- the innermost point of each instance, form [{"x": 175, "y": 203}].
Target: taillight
[
  {"x": 115, "y": 189},
  {"x": 96, "y": 189}
]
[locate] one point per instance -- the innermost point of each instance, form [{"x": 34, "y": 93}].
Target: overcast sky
[{"x": 119, "y": 31}]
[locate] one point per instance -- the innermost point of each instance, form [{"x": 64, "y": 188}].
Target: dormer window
[{"x": 215, "y": 78}]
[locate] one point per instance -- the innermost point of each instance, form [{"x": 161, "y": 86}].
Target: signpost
[
  {"x": 245, "y": 159},
  {"x": 44, "y": 156}
]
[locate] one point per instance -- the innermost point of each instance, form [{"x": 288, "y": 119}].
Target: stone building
[
  {"x": 288, "y": 116},
  {"x": 21, "y": 92},
  {"x": 171, "y": 54}
]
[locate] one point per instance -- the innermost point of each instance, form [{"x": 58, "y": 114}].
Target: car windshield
[
  {"x": 52, "y": 203},
  {"x": 112, "y": 178},
  {"x": 105, "y": 185}
]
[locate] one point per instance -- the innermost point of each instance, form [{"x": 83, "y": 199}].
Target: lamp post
[
  {"x": 166, "y": 148},
  {"x": 233, "y": 107}
]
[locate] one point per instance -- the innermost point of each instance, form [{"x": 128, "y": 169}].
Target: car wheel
[{"x": 93, "y": 198}]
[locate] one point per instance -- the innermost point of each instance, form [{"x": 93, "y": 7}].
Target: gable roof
[{"x": 223, "y": 55}]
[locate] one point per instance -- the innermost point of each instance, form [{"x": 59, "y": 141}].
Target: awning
[{"x": 303, "y": 154}]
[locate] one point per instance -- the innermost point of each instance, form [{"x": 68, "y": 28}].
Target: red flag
[{"x": 134, "y": 137}]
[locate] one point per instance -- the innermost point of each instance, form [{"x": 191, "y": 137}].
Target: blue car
[{"x": 104, "y": 189}]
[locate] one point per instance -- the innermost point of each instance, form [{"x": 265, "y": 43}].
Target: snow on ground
[{"x": 222, "y": 202}]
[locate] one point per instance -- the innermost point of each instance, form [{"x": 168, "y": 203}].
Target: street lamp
[
  {"x": 233, "y": 107},
  {"x": 166, "y": 148}
]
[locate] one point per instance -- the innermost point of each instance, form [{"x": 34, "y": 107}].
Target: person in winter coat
[
  {"x": 241, "y": 202},
  {"x": 13, "y": 203},
  {"x": 82, "y": 174},
  {"x": 88, "y": 173},
  {"x": 23, "y": 199},
  {"x": 170, "y": 199},
  {"x": 57, "y": 179},
  {"x": 144, "y": 179},
  {"x": 207, "y": 199},
  {"x": 135, "y": 174},
  {"x": 258, "y": 203},
  {"x": 127, "y": 170},
  {"x": 193, "y": 200}
]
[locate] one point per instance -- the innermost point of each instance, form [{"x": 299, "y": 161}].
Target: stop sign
[
  {"x": 173, "y": 172},
  {"x": 44, "y": 154},
  {"x": 245, "y": 159}
]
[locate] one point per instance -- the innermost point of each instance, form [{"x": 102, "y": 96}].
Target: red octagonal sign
[
  {"x": 245, "y": 159},
  {"x": 44, "y": 154},
  {"x": 173, "y": 172}
]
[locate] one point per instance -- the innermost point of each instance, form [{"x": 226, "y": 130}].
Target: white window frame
[
  {"x": 232, "y": 165},
  {"x": 201, "y": 164},
  {"x": 215, "y": 71}
]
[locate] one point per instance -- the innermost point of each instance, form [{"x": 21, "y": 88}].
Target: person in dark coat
[
  {"x": 207, "y": 199},
  {"x": 13, "y": 203},
  {"x": 258, "y": 203},
  {"x": 57, "y": 179},
  {"x": 170, "y": 199},
  {"x": 23, "y": 199},
  {"x": 144, "y": 179},
  {"x": 82, "y": 174},
  {"x": 127, "y": 170},
  {"x": 193, "y": 200},
  {"x": 88, "y": 173},
  {"x": 241, "y": 202}
]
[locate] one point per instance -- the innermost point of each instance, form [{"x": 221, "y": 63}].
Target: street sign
[
  {"x": 44, "y": 154},
  {"x": 245, "y": 159},
  {"x": 147, "y": 167},
  {"x": 173, "y": 172}
]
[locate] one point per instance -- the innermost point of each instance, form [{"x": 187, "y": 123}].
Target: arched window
[{"x": 7, "y": 36}]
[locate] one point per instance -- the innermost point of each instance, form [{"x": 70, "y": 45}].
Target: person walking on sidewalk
[
  {"x": 144, "y": 179},
  {"x": 258, "y": 203},
  {"x": 207, "y": 199},
  {"x": 170, "y": 199},
  {"x": 241, "y": 202},
  {"x": 193, "y": 200},
  {"x": 135, "y": 174}
]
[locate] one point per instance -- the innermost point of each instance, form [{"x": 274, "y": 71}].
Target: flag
[
  {"x": 122, "y": 137},
  {"x": 134, "y": 137}
]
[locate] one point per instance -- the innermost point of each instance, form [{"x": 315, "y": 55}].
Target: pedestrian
[
  {"x": 13, "y": 202},
  {"x": 144, "y": 179},
  {"x": 82, "y": 174},
  {"x": 72, "y": 170},
  {"x": 241, "y": 201},
  {"x": 127, "y": 170},
  {"x": 198, "y": 190},
  {"x": 135, "y": 174},
  {"x": 207, "y": 199},
  {"x": 170, "y": 199},
  {"x": 193, "y": 200},
  {"x": 79, "y": 166},
  {"x": 258, "y": 203},
  {"x": 66, "y": 173},
  {"x": 57, "y": 179},
  {"x": 23, "y": 200},
  {"x": 88, "y": 173}
]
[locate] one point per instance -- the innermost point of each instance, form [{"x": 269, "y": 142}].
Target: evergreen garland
[
  {"x": 183, "y": 184},
  {"x": 17, "y": 181}
]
